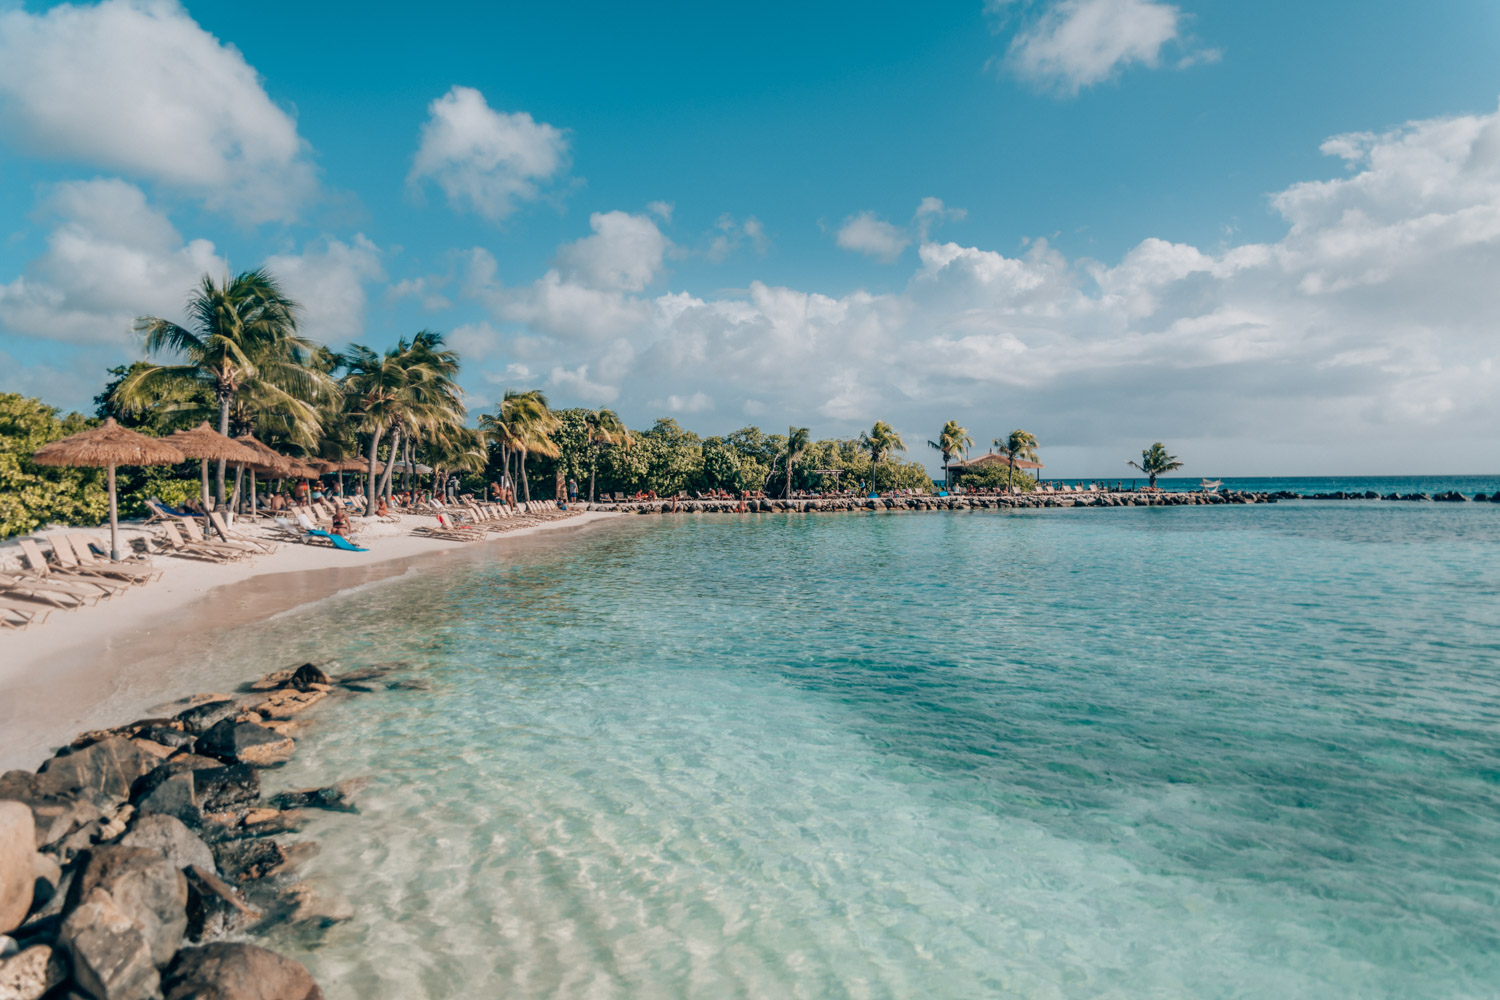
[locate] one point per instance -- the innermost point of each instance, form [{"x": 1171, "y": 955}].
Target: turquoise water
[{"x": 1189, "y": 752}]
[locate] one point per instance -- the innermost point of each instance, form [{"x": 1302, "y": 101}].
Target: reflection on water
[{"x": 1206, "y": 752}]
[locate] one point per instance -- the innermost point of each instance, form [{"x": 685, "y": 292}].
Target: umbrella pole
[
  {"x": 252, "y": 492},
  {"x": 204, "y": 466},
  {"x": 114, "y": 519}
]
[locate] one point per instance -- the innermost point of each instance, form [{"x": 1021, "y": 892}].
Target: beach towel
[{"x": 339, "y": 541}]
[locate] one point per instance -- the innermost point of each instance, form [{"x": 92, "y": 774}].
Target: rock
[
  {"x": 274, "y": 680},
  {"x": 248, "y": 860},
  {"x": 158, "y": 750},
  {"x": 215, "y": 909},
  {"x": 335, "y": 798},
  {"x": 221, "y": 788},
  {"x": 47, "y": 877},
  {"x": 288, "y": 702},
  {"x": 262, "y": 822},
  {"x": 170, "y": 795},
  {"x": 55, "y": 815},
  {"x": 315, "y": 907},
  {"x": 297, "y": 855},
  {"x": 201, "y": 718},
  {"x": 246, "y": 743},
  {"x": 286, "y": 727},
  {"x": 372, "y": 672},
  {"x": 409, "y": 685},
  {"x": 144, "y": 886},
  {"x": 102, "y": 772},
  {"x": 31, "y": 973},
  {"x": 172, "y": 839},
  {"x": 167, "y": 736},
  {"x": 308, "y": 675},
  {"x": 235, "y": 971},
  {"x": 111, "y": 954},
  {"x": 17, "y": 870}
]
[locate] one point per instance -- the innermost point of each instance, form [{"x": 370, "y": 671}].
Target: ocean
[
  {"x": 1197, "y": 752},
  {"x": 1314, "y": 485}
]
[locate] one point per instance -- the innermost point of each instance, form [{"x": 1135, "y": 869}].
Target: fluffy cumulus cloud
[
  {"x": 328, "y": 280},
  {"x": 1074, "y": 44},
  {"x": 1371, "y": 319},
  {"x": 486, "y": 161},
  {"x": 866, "y": 233},
  {"x": 110, "y": 257},
  {"x": 71, "y": 88}
]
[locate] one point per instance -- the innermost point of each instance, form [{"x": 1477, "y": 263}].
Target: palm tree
[
  {"x": 881, "y": 440},
  {"x": 525, "y": 424},
  {"x": 410, "y": 386},
  {"x": 1019, "y": 444},
  {"x": 1155, "y": 461},
  {"x": 241, "y": 333},
  {"x": 797, "y": 440},
  {"x": 954, "y": 440},
  {"x": 605, "y": 429}
]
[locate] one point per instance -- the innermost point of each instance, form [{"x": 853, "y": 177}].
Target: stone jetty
[
  {"x": 828, "y": 505},
  {"x": 136, "y": 861}
]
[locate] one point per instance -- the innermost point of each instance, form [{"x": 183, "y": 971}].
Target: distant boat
[{"x": 1211, "y": 485}]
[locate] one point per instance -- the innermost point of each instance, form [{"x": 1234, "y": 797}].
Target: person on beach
[
  {"x": 341, "y": 522},
  {"x": 381, "y": 510},
  {"x": 452, "y": 488},
  {"x": 572, "y": 490}
]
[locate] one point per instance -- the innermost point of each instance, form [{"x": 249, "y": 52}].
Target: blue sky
[{"x": 1136, "y": 225}]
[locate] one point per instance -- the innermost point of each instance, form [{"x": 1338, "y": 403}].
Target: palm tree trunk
[
  {"x": 252, "y": 491},
  {"x": 223, "y": 429},
  {"x": 203, "y": 468},
  {"x": 114, "y": 519},
  {"x": 593, "y": 466},
  {"x": 239, "y": 481},
  {"x": 390, "y": 466},
  {"x": 525, "y": 484},
  {"x": 1010, "y": 474},
  {"x": 370, "y": 480}
]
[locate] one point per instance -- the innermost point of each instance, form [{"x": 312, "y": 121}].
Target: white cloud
[
  {"x": 475, "y": 341},
  {"x": 110, "y": 258},
  {"x": 424, "y": 289},
  {"x": 872, "y": 236},
  {"x": 137, "y": 86},
  {"x": 328, "y": 280},
  {"x": 1078, "y": 43},
  {"x": 486, "y": 161},
  {"x": 578, "y": 383},
  {"x": 625, "y": 252},
  {"x": 729, "y": 235},
  {"x": 698, "y": 402},
  {"x": 1371, "y": 319}
]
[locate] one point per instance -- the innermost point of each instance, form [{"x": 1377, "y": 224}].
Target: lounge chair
[
  {"x": 174, "y": 543},
  {"x": 217, "y": 520},
  {"x": 56, "y": 594},
  {"x": 67, "y": 553},
  {"x": 195, "y": 535},
  {"x": 17, "y": 615},
  {"x": 31, "y": 553}
]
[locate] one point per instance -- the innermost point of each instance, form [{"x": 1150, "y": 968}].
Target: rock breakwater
[{"x": 129, "y": 857}]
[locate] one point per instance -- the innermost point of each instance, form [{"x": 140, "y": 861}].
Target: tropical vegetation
[
  {"x": 954, "y": 440},
  {"x": 1155, "y": 462}
]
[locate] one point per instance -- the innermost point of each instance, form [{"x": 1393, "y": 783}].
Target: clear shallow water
[{"x": 1192, "y": 752}]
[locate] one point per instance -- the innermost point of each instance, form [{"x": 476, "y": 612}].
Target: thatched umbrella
[
  {"x": 107, "y": 446},
  {"x": 205, "y": 443},
  {"x": 268, "y": 460}
]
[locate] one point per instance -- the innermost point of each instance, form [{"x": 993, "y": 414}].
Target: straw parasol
[
  {"x": 107, "y": 446},
  {"x": 268, "y": 459},
  {"x": 205, "y": 443}
]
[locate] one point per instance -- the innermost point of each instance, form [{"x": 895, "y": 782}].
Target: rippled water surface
[{"x": 1189, "y": 752}]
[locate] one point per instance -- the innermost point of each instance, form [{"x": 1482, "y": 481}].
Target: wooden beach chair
[
  {"x": 174, "y": 543},
  {"x": 217, "y": 520},
  {"x": 89, "y": 555},
  {"x": 31, "y": 554},
  {"x": 16, "y": 614},
  {"x": 195, "y": 535},
  {"x": 57, "y": 595},
  {"x": 66, "y": 555}
]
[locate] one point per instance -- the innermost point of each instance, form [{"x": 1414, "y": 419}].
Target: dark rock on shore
[
  {"x": 201, "y": 718},
  {"x": 215, "y": 909},
  {"x": 226, "y": 971},
  {"x": 171, "y": 838},
  {"x": 187, "y": 787},
  {"x": 246, "y": 743},
  {"x": 335, "y": 798},
  {"x": 315, "y": 908},
  {"x": 144, "y": 886},
  {"x": 110, "y": 953},
  {"x": 248, "y": 860},
  {"x": 31, "y": 973}
]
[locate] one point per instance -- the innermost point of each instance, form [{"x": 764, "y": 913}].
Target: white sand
[{"x": 103, "y": 665}]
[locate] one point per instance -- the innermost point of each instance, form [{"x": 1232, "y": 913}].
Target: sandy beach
[{"x": 104, "y": 664}]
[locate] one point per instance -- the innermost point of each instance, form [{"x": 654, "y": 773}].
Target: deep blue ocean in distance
[
  {"x": 1185, "y": 752},
  {"x": 1384, "y": 485}
]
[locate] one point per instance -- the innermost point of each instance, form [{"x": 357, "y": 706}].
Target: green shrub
[{"x": 33, "y": 495}]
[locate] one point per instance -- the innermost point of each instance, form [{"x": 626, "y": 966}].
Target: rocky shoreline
[
  {"x": 1021, "y": 501},
  {"x": 136, "y": 862}
]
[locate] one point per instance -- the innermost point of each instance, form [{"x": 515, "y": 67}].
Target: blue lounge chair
[{"x": 337, "y": 541}]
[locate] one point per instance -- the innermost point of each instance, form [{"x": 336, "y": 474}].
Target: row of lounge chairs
[{"x": 76, "y": 575}]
